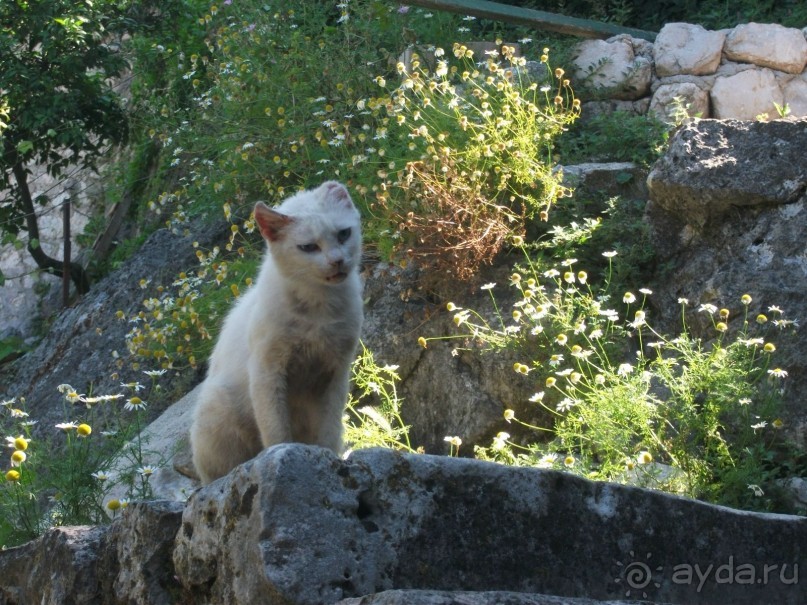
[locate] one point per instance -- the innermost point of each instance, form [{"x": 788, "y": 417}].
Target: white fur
[{"x": 281, "y": 367}]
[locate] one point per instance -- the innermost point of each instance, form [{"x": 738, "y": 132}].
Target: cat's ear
[
  {"x": 270, "y": 222},
  {"x": 337, "y": 193}
]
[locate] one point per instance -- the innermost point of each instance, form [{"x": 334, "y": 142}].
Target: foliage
[
  {"x": 61, "y": 109},
  {"x": 256, "y": 124},
  {"x": 482, "y": 143},
  {"x": 10, "y": 348},
  {"x": 373, "y": 408},
  {"x": 641, "y": 139},
  {"x": 260, "y": 125},
  {"x": 177, "y": 327},
  {"x": 476, "y": 133},
  {"x": 43, "y": 490},
  {"x": 629, "y": 404}
]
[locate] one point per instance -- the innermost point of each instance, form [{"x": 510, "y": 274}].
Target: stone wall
[
  {"x": 298, "y": 526},
  {"x": 26, "y": 288},
  {"x": 739, "y": 73}
]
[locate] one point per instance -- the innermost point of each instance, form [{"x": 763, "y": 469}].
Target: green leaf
[
  {"x": 33, "y": 244},
  {"x": 24, "y": 147}
]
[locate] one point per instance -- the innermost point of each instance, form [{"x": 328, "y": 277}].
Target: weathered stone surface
[
  {"x": 298, "y": 525},
  {"x": 285, "y": 526},
  {"x": 692, "y": 97},
  {"x": 712, "y": 166},
  {"x": 795, "y": 96},
  {"x": 682, "y": 48},
  {"x": 163, "y": 442},
  {"x": 746, "y": 95},
  {"x": 444, "y": 393},
  {"x": 607, "y": 179},
  {"x": 124, "y": 563},
  {"x": 78, "y": 349},
  {"x": 613, "y": 65},
  {"x": 768, "y": 45},
  {"x": 434, "y": 597},
  {"x": 135, "y": 564},
  {"x": 729, "y": 213},
  {"x": 60, "y": 567},
  {"x": 796, "y": 490}
]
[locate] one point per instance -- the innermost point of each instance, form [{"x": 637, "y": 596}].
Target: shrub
[
  {"x": 64, "y": 479},
  {"x": 373, "y": 415},
  {"x": 631, "y": 405},
  {"x": 482, "y": 136},
  {"x": 444, "y": 165}
]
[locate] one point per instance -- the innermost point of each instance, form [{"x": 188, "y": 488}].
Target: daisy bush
[
  {"x": 446, "y": 152},
  {"x": 373, "y": 417},
  {"x": 617, "y": 400},
  {"x": 477, "y": 135},
  {"x": 43, "y": 489},
  {"x": 176, "y": 326}
]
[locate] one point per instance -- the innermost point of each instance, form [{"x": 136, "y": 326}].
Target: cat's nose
[{"x": 338, "y": 263}]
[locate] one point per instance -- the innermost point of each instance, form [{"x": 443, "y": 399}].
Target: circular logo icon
[{"x": 637, "y": 575}]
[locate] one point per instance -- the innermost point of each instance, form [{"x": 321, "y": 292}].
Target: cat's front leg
[
  {"x": 330, "y": 426},
  {"x": 268, "y": 393}
]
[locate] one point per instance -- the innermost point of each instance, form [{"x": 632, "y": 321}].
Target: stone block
[
  {"x": 298, "y": 525},
  {"x": 746, "y": 95},
  {"x": 768, "y": 45},
  {"x": 682, "y": 48},
  {"x": 613, "y": 68}
]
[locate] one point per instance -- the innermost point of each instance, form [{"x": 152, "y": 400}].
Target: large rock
[
  {"x": 443, "y": 597},
  {"x": 444, "y": 392},
  {"x": 768, "y": 45},
  {"x": 298, "y": 525},
  {"x": 746, "y": 95},
  {"x": 729, "y": 213},
  {"x": 671, "y": 98},
  {"x": 616, "y": 65},
  {"x": 795, "y": 95},
  {"x": 136, "y": 558},
  {"x": 125, "y": 563},
  {"x": 681, "y": 48},
  {"x": 712, "y": 167},
  {"x": 59, "y": 567}
]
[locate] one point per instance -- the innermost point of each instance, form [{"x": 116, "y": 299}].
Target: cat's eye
[
  {"x": 343, "y": 235},
  {"x": 309, "y": 247}
]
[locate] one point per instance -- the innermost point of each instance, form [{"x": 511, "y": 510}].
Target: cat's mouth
[{"x": 336, "y": 278}]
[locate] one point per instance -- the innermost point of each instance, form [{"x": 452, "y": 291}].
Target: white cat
[{"x": 281, "y": 367}]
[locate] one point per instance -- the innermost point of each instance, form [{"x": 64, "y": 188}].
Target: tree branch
[{"x": 50, "y": 265}]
